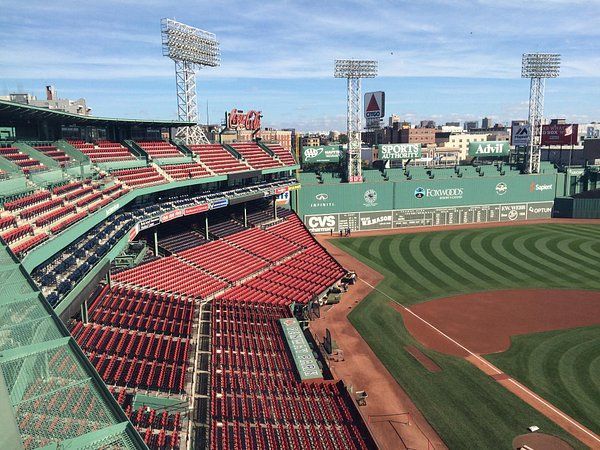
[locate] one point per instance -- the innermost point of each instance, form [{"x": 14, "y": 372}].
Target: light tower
[
  {"x": 353, "y": 70},
  {"x": 537, "y": 67},
  {"x": 191, "y": 49}
]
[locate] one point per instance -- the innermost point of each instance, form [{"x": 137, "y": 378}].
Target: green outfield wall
[{"x": 429, "y": 202}]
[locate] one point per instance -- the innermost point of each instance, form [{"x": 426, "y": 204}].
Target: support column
[
  {"x": 245, "y": 216},
  {"x": 275, "y": 207},
  {"x": 206, "y": 227},
  {"x": 108, "y": 280},
  {"x": 155, "y": 242}
]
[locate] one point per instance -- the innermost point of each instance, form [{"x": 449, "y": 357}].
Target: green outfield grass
[
  {"x": 467, "y": 408},
  {"x": 423, "y": 266},
  {"x": 562, "y": 366}
]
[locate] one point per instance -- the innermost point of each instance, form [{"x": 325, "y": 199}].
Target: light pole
[
  {"x": 537, "y": 67},
  {"x": 353, "y": 70},
  {"x": 191, "y": 49}
]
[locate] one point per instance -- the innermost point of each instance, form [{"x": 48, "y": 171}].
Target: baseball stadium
[{"x": 163, "y": 290}]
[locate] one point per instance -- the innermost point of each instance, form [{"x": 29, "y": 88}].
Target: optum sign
[
  {"x": 399, "y": 151},
  {"x": 489, "y": 149},
  {"x": 322, "y": 154}
]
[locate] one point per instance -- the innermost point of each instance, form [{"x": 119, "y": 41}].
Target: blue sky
[{"x": 442, "y": 60}]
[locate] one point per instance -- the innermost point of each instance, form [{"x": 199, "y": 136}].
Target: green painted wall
[{"x": 377, "y": 196}]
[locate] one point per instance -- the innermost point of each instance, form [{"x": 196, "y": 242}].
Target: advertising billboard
[
  {"x": 399, "y": 151},
  {"x": 374, "y": 105},
  {"x": 489, "y": 149},
  {"x": 519, "y": 136},
  {"x": 322, "y": 154},
  {"x": 428, "y": 217},
  {"x": 559, "y": 134},
  {"x": 240, "y": 120}
]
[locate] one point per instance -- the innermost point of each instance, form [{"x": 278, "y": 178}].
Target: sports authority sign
[
  {"x": 489, "y": 149},
  {"x": 399, "y": 151},
  {"x": 374, "y": 105},
  {"x": 239, "y": 120},
  {"x": 322, "y": 154},
  {"x": 559, "y": 134},
  {"x": 519, "y": 136}
]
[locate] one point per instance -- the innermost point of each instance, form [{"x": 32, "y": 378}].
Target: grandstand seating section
[
  {"x": 256, "y": 156},
  {"x": 160, "y": 429},
  {"x": 217, "y": 159},
  {"x": 140, "y": 177},
  {"x": 103, "y": 151},
  {"x": 52, "y": 152},
  {"x": 140, "y": 330},
  {"x": 284, "y": 155},
  {"x": 159, "y": 149},
  {"x": 186, "y": 171},
  {"x": 263, "y": 244},
  {"x": 26, "y": 163},
  {"x": 178, "y": 242},
  {"x": 223, "y": 260},
  {"x": 224, "y": 227},
  {"x": 172, "y": 275},
  {"x": 256, "y": 401}
]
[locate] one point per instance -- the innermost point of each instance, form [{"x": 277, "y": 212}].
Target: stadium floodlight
[
  {"x": 190, "y": 48},
  {"x": 537, "y": 67},
  {"x": 353, "y": 70}
]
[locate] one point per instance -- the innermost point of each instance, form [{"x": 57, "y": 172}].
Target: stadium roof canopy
[{"x": 17, "y": 114}]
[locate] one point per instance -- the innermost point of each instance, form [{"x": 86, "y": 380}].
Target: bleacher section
[
  {"x": 159, "y": 149},
  {"x": 217, "y": 159},
  {"x": 256, "y": 156},
  {"x": 103, "y": 151}
]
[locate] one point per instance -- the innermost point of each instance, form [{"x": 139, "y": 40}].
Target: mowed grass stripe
[
  {"x": 559, "y": 247},
  {"x": 536, "y": 249},
  {"x": 445, "y": 274},
  {"x": 473, "y": 249},
  {"x": 396, "y": 257},
  {"x": 442, "y": 248},
  {"x": 495, "y": 247}
]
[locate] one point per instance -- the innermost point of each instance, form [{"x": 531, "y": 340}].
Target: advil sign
[
  {"x": 489, "y": 149},
  {"x": 240, "y": 120}
]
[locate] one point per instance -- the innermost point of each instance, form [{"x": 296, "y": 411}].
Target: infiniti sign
[{"x": 322, "y": 196}]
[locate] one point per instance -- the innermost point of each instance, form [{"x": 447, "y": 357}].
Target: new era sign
[
  {"x": 374, "y": 105},
  {"x": 520, "y": 135}
]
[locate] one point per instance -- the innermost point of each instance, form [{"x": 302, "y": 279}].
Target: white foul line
[{"x": 483, "y": 360}]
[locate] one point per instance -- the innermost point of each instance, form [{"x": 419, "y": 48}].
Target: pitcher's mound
[{"x": 540, "y": 441}]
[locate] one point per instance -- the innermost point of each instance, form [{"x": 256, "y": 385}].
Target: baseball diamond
[{"x": 519, "y": 276}]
